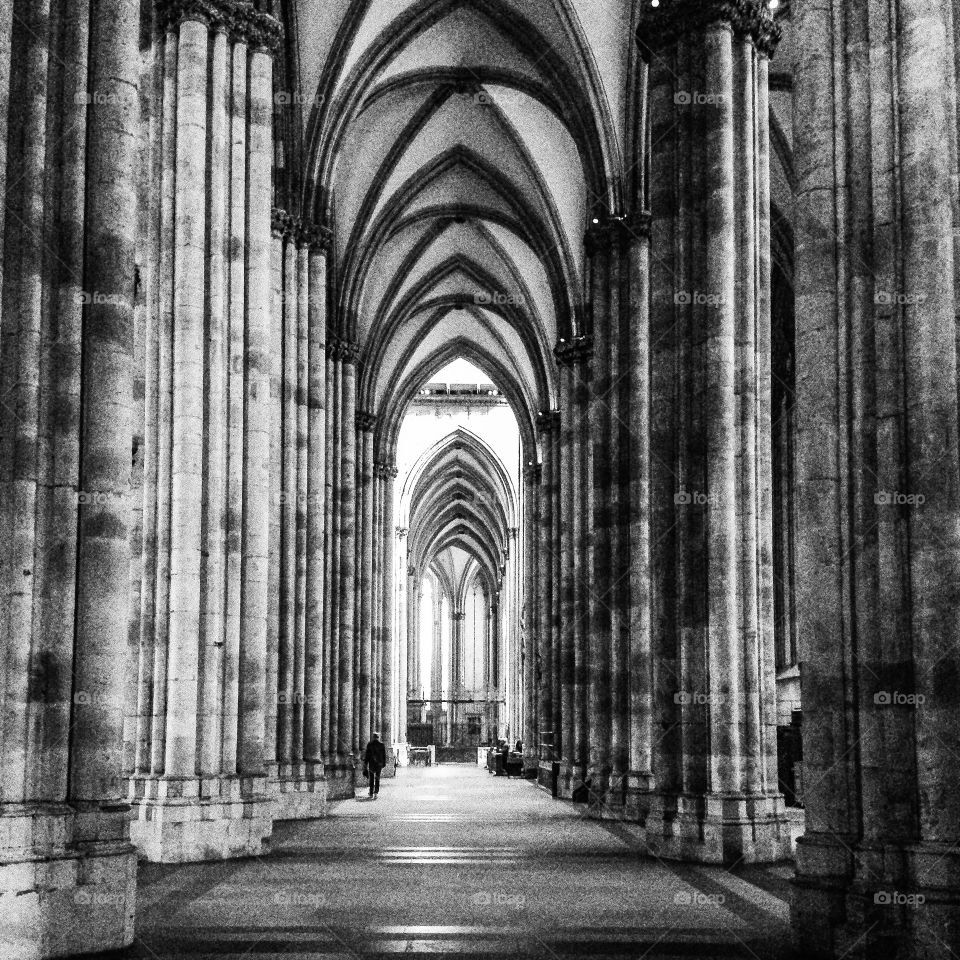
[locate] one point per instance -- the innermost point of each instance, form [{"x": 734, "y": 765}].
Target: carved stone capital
[
  {"x": 339, "y": 348},
  {"x": 572, "y": 352},
  {"x": 316, "y": 236},
  {"x": 241, "y": 21},
  {"x": 606, "y": 235},
  {"x": 366, "y": 421},
  {"x": 660, "y": 26},
  {"x": 282, "y": 224},
  {"x": 385, "y": 470}
]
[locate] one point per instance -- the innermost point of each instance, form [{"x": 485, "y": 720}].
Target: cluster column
[
  {"x": 204, "y": 739},
  {"x": 718, "y": 798},
  {"x": 68, "y": 157},
  {"x": 297, "y": 519},
  {"x": 878, "y": 547}
]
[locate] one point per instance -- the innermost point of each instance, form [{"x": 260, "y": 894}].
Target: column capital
[
  {"x": 385, "y": 470},
  {"x": 340, "y": 348},
  {"x": 282, "y": 224},
  {"x": 547, "y": 420},
  {"x": 315, "y": 236},
  {"x": 532, "y": 473},
  {"x": 402, "y": 532},
  {"x": 670, "y": 20},
  {"x": 241, "y": 21},
  {"x": 606, "y": 233},
  {"x": 366, "y": 421},
  {"x": 571, "y": 352}
]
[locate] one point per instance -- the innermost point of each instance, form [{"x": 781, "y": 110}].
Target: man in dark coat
[{"x": 375, "y": 759}]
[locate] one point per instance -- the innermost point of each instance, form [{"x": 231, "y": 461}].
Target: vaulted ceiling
[
  {"x": 459, "y": 149},
  {"x": 460, "y": 507}
]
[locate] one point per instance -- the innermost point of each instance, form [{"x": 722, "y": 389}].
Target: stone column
[
  {"x": 209, "y": 539},
  {"x": 332, "y": 566},
  {"x": 533, "y": 576},
  {"x": 717, "y": 800},
  {"x": 597, "y": 578},
  {"x": 95, "y": 788},
  {"x": 404, "y": 602},
  {"x": 877, "y": 495},
  {"x": 543, "y": 644},
  {"x": 317, "y": 651},
  {"x": 365, "y": 501},
  {"x": 347, "y": 591},
  {"x": 389, "y": 643},
  {"x": 556, "y": 557},
  {"x": 568, "y": 477},
  {"x": 640, "y": 655}
]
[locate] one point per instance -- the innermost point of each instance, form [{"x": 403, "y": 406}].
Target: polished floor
[{"x": 452, "y": 861}]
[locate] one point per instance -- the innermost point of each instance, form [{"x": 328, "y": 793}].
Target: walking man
[{"x": 374, "y": 760}]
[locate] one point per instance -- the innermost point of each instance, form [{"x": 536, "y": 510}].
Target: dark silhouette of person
[{"x": 375, "y": 759}]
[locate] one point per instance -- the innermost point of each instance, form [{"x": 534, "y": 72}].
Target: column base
[
  {"x": 718, "y": 829},
  {"x": 299, "y": 792},
  {"x": 842, "y": 908},
  {"x": 60, "y": 897},
  {"x": 194, "y": 819},
  {"x": 570, "y": 780},
  {"x": 341, "y": 776},
  {"x": 390, "y": 770}
]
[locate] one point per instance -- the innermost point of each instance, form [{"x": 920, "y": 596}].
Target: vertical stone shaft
[
  {"x": 583, "y": 495},
  {"x": 640, "y": 657},
  {"x": 153, "y": 347},
  {"x": 335, "y": 533},
  {"x": 389, "y": 645},
  {"x": 545, "y": 585},
  {"x": 276, "y": 722},
  {"x": 556, "y": 630},
  {"x": 253, "y": 613},
  {"x": 347, "y": 500},
  {"x": 239, "y": 372},
  {"x": 596, "y": 577},
  {"x": 317, "y": 649},
  {"x": 188, "y": 360},
  {"x": 749, "y": 375},
  {"x": 283, "y": 484},
  {"x": 568, "y": 479},
  {"x": 100, "y": 661},
  {"x": 531, "y": 606},
  {"x": 21, "y": 345},
  {"x": 365, "y": 581},
  {"x": 302, "y": 502},
  {"x": 724, "y": 655},
  {"x": 212, "y": 586},
  {"x": 618, "y": 564}
]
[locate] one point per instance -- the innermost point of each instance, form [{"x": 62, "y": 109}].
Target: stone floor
[{"x": 452, "y": 861}]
